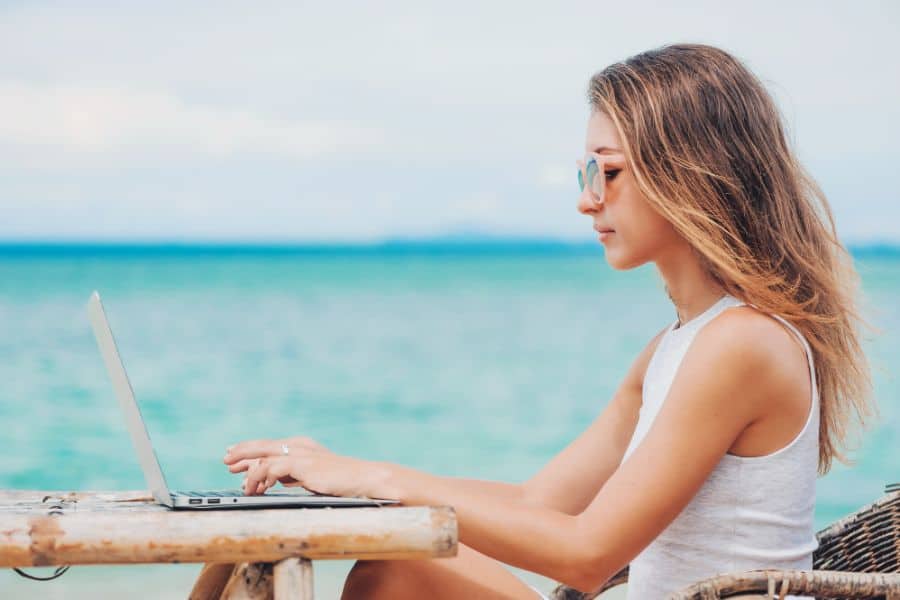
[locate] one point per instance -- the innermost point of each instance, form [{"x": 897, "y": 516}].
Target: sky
[{"x": 352, "y": 121}]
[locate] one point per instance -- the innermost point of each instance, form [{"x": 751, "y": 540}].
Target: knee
[{"x": 370, "y": 579}]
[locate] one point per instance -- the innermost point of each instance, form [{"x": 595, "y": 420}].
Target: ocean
[{"x": 473, "y": 360}]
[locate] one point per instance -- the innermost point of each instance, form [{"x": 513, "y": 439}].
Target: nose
[{"x": 586, "y": 204}]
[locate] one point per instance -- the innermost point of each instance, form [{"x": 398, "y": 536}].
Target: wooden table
[{"x": 249, "y": 553}]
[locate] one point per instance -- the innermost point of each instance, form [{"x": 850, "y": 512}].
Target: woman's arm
[
  {"x": 574, "y": 476},
  {"x": 498, "y": 489},
  {"x": 725, "y": 380}
]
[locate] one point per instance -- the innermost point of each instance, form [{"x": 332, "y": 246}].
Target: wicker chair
[{"x": 858, "y": 557}]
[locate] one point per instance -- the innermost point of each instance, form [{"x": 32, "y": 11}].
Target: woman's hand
[{"x": 306, "y": 463}]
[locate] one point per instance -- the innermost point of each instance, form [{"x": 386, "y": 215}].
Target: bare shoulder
[
  {"x": 724, "y": 398},
  {"x": 749, "y": 346},
  {"x": 635, "y": 376},
  {"x": 753, "y": 335},
  {"x": 628, "y": 398}
]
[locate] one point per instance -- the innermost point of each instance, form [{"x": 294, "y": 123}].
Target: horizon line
[{"x": 398, "y": 245}]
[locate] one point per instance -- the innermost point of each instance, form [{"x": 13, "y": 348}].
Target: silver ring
[{"x": 285, "y": 450}]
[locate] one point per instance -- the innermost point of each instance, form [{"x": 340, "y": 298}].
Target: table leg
[
  {"x": 289, "y": 579},
  {"x": 249, "y": 581},
  {"x": 212, "y": 581},
  {"x": 293, "y": 579}
]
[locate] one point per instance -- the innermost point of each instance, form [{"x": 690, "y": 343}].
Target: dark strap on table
[{"x": 55, "y": 507}]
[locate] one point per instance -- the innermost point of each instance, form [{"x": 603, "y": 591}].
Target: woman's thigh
[{"x": 469, "y": 574}]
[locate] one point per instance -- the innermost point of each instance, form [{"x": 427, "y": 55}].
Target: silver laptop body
[{"x": 147, "y": 456}]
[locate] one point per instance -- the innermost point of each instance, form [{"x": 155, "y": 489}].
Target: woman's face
[{"x": 638, "y": 234}]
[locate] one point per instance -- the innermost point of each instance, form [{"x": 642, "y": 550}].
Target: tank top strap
[
  {"x": 693, "y": 325},
  {"x": 809, "y": 354},
  {"x": 806, "y": 347},
  {"x": 689, "y": 329}
]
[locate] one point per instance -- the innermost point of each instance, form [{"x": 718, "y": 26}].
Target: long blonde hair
[{"x": 705, "y": 143}]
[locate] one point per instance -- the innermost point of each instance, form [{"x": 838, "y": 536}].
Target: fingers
[
  {"x": 251, "y": 449},
  {"x": 241, "y": 465},
  {"x": 265, "y": 473},
  {"x": 276, "y": 471},
  {"x": 302, "y": 442},
  {"x": 266, "y": 464},
  {"x": 256, "y": 472}
]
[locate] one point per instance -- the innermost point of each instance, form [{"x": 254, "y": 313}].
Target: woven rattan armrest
[
  {"x": 856, "y": 557},
  {"x": 774, "y": 582},
  {"x": 827, "y": 584}
]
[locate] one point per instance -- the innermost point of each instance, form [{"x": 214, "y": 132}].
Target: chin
[{"x": 621, "y": 262}]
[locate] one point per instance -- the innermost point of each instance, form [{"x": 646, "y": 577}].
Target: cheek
[
  {"x": 656, "y": 228},
  {"x": 645, "y": 222},
  {"x": 644, "y": 234}
]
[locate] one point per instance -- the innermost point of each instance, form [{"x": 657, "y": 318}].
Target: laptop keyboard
[{"x": 233, "y": 493}]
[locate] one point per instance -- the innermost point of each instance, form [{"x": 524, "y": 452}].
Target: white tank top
[{"x": 751, "y": 512}]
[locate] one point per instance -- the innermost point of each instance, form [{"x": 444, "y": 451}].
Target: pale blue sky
[{"x": 360, "y": 121}]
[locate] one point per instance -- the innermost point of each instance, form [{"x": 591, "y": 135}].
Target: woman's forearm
[
  {"x": 500, "y": 489},
  {"x": 529, "y": 536},
  {"x": 517, "y": 492}
]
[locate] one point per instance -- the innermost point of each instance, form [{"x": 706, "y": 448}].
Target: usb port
[
  {"x": 194, "y": 501},
  {"x": 213, "y": 500}
]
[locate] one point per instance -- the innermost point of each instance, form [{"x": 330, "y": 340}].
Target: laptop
[{"x": 198, "y": 500}]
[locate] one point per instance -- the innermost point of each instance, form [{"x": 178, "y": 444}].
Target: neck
[{"x": 691, "y": 290}]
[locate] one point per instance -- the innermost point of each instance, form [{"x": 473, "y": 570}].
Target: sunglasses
[{"x": 591, "y": 175}]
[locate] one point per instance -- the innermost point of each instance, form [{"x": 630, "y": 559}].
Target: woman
[{"x": 705, "y": 459}]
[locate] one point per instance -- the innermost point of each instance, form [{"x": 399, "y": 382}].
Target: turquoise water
[{"x": 471, "y": 363}]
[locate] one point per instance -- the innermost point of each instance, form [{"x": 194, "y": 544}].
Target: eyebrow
[{"x": 606, "y": 149}]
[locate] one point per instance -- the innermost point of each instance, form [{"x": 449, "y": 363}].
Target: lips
[{"x": 600, "y": 229}]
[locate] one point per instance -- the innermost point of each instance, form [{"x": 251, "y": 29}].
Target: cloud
[
  {"x": 360, "y": 119},
  {"x": 114, "y": 124}
]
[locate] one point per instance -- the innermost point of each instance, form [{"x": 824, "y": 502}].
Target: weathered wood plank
[
  {"x": 18, "y": 501},
  {"x": 104, "y": 528},
  {"x": 293, "y": 579}
]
